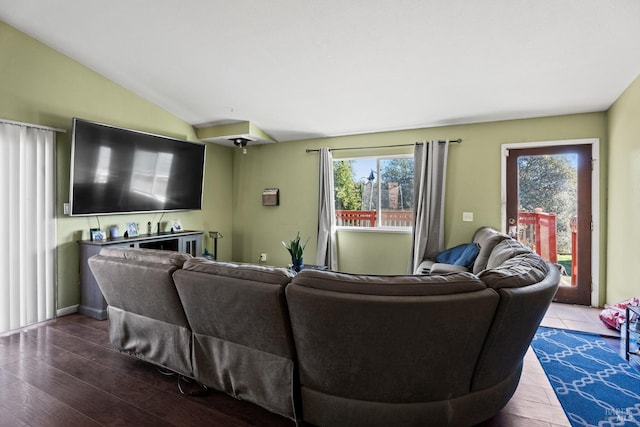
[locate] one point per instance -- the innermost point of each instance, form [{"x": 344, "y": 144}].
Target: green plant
[{"x": 295, "y": 248}]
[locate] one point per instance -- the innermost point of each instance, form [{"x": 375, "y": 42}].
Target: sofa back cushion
[
  {"x": 176, "y": 259},
  {"x": 504, "y": 250},
  {"x": 241, "y": 271},
  {"x": 140, "y": 283},
  {"x": 518, "y": 271},
  {"x": 145, "y": 313},
  {"x": 240, "y": 303},
  {"x": 388, "y": 339},
  {"x": 487, "y": 238},
  {"x": 405, "y": 285}
]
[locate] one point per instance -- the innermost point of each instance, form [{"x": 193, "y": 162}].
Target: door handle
[{"x": 512, "y": 228}]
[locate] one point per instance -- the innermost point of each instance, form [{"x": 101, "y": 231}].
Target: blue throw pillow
[
  {"x": 469, "y": 255},
  {"x": 464, "y": 255},
  {"x": 448, "y": 256}
]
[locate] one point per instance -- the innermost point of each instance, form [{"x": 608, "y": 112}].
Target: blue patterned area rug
[{"x": 596, "y": 386}]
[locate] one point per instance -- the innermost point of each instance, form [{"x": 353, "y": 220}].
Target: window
[{"x": 374, "y": 192}]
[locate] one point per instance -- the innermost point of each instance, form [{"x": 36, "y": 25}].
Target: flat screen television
[{"x": 116, "y": 171}]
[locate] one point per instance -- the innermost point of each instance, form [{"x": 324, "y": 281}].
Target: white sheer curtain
[
  {"x": 430, "y": 167},
  {"x": 327, "y": 252},
  {"x": 27, "y": 251}
]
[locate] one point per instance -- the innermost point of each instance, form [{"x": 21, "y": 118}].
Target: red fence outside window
[{"x": 348, "y": 218}]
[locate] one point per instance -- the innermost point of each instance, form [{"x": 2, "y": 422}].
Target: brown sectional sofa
[{"x": 335, "y": 349}]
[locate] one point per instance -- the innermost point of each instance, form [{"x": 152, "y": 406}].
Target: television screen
[{"x": 116, "y": 170}]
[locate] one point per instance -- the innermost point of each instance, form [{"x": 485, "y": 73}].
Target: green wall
[
  {"x": 40, "y": 86},
  {"x": 473, "y": 184},
  {"x": 624, "y": 195}
]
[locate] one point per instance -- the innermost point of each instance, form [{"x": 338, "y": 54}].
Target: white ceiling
[{"x": 312, "y": 68}]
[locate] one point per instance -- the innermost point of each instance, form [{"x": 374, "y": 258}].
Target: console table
[{"x": 92, "y": 302}]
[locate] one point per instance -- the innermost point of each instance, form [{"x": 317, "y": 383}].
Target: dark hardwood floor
[{"x": 65, "y": 373}]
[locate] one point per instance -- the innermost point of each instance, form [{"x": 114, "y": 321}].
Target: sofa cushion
[
  {"x": 521, "y": 270},
  {"x": 139, "y": 286},
  {"x": 505, "y": 250},
  {"x": 176, "y": 259},
  {"x": 487, "y": 238},
  {"x": 463, "y": 255},
  {"x": 258, "y": 273},
  {"x": 404, "y": 285}
]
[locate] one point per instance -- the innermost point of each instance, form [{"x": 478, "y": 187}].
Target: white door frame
[{"x": 595, "y": 198}]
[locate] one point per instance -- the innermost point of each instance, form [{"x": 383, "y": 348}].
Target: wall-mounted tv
[{"x": 115, "y": 171}]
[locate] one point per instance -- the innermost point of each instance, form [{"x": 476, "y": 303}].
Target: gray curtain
[
  {"x": 430, "y": 167},
  {"x": 327, "y": 253}
]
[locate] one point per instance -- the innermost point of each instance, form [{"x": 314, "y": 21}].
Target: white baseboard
[{"x": 67, "y": 310}]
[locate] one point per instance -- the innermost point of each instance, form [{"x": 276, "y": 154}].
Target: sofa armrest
[{"x": 424, "y": 267}]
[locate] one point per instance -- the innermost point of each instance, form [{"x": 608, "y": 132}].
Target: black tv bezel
[{"x": 134, "y": 131}]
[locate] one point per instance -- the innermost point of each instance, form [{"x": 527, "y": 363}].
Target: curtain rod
[
  {"x": 309, "y": 150},
  {"x": 29, "y": 125}
]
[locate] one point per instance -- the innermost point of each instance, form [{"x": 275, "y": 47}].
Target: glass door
[{"x": 549, "y": 210}]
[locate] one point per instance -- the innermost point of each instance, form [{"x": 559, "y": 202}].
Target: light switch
[{"x": 467, "y": 216}]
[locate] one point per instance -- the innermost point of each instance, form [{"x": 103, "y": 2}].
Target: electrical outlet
[
  {"x": 263, "y": 257},
  {"x": 467, "y": 216},
  {"x": 66, "y": 208}
]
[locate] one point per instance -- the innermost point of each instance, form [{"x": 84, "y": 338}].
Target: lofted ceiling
[{"x": 301, "y": 69}]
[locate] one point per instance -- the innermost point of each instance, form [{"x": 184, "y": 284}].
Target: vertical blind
[{"x": 28, "y": 241}]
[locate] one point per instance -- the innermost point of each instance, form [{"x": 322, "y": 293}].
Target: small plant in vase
[{"x": 296, "y": 250}]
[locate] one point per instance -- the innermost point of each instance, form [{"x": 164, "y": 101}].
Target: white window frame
[{"x": 377, "y": 228}]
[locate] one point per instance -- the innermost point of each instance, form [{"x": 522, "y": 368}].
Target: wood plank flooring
[{"x": 64, "y": 373}]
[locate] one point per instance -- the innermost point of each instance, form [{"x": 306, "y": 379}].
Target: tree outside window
[
  {"x": 549, "y": 183},
  {"x": 374, "y": 192}
]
